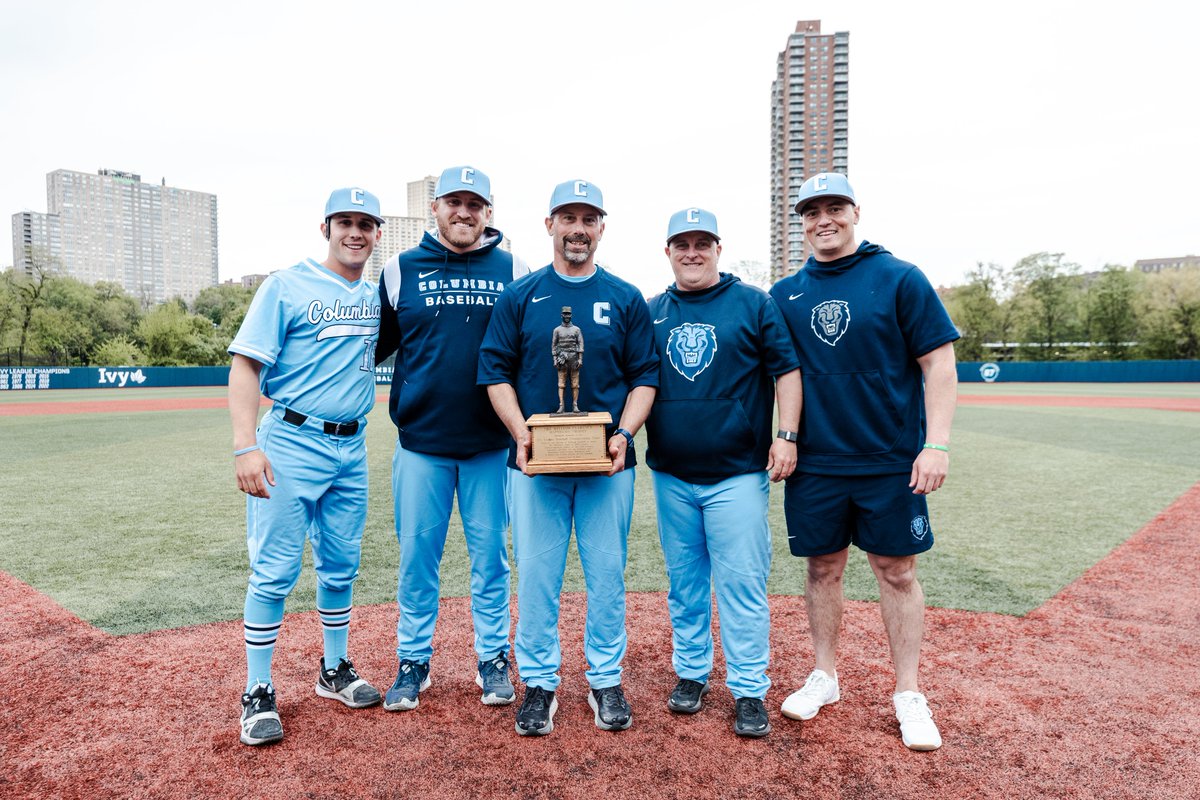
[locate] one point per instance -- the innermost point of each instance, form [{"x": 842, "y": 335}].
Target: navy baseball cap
[
  {"x": 570, "y": 192},
  {"x": 464, "y": 179},
  {"x": 692, "y": 219},
  {"x": 825, "y": 184},
  {"x": 353, "y": 200}
]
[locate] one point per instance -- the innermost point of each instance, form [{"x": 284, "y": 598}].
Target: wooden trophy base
[{"x": 569, "y": 443}]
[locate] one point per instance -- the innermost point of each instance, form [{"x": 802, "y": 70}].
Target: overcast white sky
[{"x": 978, "y": 131}]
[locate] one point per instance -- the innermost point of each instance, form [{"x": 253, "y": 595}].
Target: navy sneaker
[
  {"x": 344, "y": 685},
  {"x": 260, "y": 720},
  {"x": 685, "y": 697},
  {"x": 751, "y": 718},
  {"x": 612, "y": 710},
  {"x": 535, "y": 717},
  {"x": 411, "y": 680},
  {"x": 493, "y": 678}
]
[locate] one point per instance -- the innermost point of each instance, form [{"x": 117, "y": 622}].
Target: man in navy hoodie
[
  {"x": 620, "y": 377},
  {"x": 876, "y": 349},
  {"x": 725, "y": 355},
  {"x": 436, "y": 301}
]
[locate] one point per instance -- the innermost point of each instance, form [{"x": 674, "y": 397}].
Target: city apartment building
[
  {"x": 154, "y": 240},
  {"x": 809, "y": 124}
]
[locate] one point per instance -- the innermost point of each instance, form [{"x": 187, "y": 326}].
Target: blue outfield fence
[
  {"x": 26, "y": 378},
  {"x": 1079, "y": 371}
]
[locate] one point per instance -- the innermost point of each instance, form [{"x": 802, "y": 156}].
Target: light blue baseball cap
[
  {"x": 576, "y": 191},
  {"x": 353, "y": 200},
  {"x": 464, "y": 179},
  {"x": 692, "y": 219},
  {"x": 825, "y": 184}
]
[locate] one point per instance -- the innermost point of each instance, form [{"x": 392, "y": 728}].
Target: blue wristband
[
  {"x": 245, "y": 450},
  {"x": 628, "y": 436}
]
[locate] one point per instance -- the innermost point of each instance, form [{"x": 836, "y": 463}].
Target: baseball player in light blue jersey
[
  {"x": 437, "y": 299},
  {"x": 308, "y": 345},
  {"x": 516, "y": 365},
  {"x": 726, "y": 354}
]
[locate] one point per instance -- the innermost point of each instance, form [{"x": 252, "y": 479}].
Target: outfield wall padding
[
  {"x": 24, "y": 378},
  {"x": 1078, "y": 371}
]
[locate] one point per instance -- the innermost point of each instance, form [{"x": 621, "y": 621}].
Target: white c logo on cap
[
  {"x": 581, "y": 188},
  {"x": 356, "y": 197},
  {"x": 821, "y": 182},
  {"x": 693, "y": 215},
  {"x": 468, "y": 176}
]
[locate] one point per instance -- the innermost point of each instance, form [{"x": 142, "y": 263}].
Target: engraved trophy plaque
[{"x": 568, "y": 440}]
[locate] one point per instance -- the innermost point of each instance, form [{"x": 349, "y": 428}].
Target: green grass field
[{"x": 132, "y": 520}]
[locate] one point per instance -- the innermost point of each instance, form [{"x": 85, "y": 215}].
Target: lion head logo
[
  {"x": 830, "y": 320},
  {"x": 919, "y": 527},
  {"x": 691, "y": 347}
]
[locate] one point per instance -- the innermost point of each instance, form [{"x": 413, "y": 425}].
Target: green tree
[
  {"x": 223, "y": 303},
  {"x": 118, "y": 351},
  {"x": 1048, "y": 293},
  {"x": 1112, "y": 312},
  {"x": 1170, "y": 315},
  {"x": 25, "y": 290},
  {"x": 171, "y": 337}
]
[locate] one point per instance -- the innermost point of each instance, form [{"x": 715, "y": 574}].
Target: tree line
[
  {"x": 51, "y": 319},
  {"x": 1043, "y": 308}
]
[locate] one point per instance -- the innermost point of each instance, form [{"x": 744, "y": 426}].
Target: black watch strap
[{"x": 787, "y": 436}]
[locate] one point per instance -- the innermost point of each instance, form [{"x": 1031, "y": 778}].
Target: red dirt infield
[{"x": 1094, "y": 695}]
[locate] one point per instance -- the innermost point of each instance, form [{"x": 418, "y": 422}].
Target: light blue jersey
[{"x": 314, "y": 333}]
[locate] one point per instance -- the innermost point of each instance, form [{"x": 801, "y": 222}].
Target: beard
[
  {"x": 458, "y": 236},
  {"x": 577, "y": 256}
]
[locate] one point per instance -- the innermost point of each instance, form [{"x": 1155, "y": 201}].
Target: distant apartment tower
[
  {"x": 154, "y": 240},
  {"x": 420, "y": 200},
  {"x": 809, "y": 122}
]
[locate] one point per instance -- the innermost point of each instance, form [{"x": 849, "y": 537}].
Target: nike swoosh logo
[
  {"x": 660, "y": 321},
  {"x": 539, "y": 299},
  {"x": 794, "y": 296},
  {"x": 421, "y": 275}
]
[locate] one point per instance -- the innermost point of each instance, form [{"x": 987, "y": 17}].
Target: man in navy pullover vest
[
  {"x": 620, "y": 377},
  {"x": 876, "y": 349},
  {"x": 725, "y": 355},
  {"x": 437, "y": 299}
]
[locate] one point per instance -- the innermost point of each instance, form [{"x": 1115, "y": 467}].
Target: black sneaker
[
  {"x": 493, "y": 678},
  {"x": 685, "y": 697},
  {"x": 344, "y": 685},
  {"x": 612, "y": 710},
  {"x": 260, "y": 720},
  {"x": 751, "y": 718},
  {"x": 535, "y": 717}
]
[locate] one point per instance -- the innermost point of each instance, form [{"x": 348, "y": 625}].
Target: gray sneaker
[
  {"x": 344, "y": 685},
  {"x": 260, "y": 721}
]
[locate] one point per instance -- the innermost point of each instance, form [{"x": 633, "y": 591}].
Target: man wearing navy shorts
[
  {"x": 620, "y": 377},
  {"x": 876, "y": 351},
  {"x": 308, "y": 345},
  {"x": 726, "y": 355}
]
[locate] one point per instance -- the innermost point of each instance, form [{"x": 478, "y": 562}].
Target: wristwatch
[{"x": 787, "y": 436}]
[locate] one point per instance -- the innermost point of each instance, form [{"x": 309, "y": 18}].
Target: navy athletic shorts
[{"x": 877, "y": 513}]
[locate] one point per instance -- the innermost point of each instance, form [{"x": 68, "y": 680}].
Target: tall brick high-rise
[{"x": 809, "y": 116}]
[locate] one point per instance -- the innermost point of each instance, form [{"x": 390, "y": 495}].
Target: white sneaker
[
  {"x": 917, "y": 727},
  {"x": 819, "y": 690}
]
